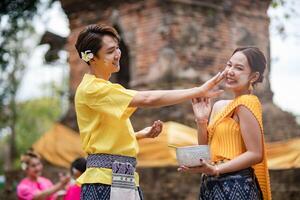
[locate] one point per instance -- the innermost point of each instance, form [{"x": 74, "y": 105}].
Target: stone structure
[{"x": 179, "y": 43}]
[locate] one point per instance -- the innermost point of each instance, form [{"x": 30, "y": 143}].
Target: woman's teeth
[{"x": 230, "y": 80}]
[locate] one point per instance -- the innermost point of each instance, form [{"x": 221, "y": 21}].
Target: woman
[
  {"x": 34, "y": 186},
  {"x": 235, "y": 134}
]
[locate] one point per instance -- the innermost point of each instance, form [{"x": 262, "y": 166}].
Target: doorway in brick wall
[{"x": 123, "y": 76}]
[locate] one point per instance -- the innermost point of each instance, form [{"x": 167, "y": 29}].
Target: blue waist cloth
[{"x": 118, "y": 163}]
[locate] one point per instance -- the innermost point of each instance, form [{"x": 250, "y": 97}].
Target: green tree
[
  {"x": 16, "y": 29},
  {"x": 35, "y": 117}
]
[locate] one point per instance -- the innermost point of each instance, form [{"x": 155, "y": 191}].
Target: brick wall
[{"x": 179, "y": 44}]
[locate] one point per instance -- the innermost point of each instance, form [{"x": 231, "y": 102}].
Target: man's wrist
[
  {"x": 200, "y": 92},
  {"x": 139, "y": 135}
]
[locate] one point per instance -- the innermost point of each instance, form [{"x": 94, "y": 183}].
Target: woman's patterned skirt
[{"x": 240, "y": 185}]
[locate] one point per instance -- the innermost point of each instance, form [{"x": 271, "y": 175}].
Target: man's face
[{"x": 109, "y": 55}]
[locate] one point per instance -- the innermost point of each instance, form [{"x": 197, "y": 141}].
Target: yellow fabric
[
  {"x": 103, "y": 119},
  {"x": 284, "y": 154},
  {"x": 226, "y": 141},
  {"x": 60, "y": 146}
]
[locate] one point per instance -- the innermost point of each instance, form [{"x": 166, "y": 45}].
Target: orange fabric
[
  {"x": 224, "y": 136},
  {"x": 284, "y": 154},
  {"x": 60, "y": 146},
  {"x": 156, "y": 153}
]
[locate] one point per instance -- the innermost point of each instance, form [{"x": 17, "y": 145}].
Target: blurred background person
[
  {"x": 34, "y": 186},
  {"x": 78, "y": 166}
]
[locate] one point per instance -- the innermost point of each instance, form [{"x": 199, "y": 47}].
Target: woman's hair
[
  {"x": 256, "y": 59},
  {"x": 79, "y": 164},
  {"x": 90, "y": 38},
  {"x": 26, "y": 157}
]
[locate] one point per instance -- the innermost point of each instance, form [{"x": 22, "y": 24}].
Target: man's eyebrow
[{"x": 112, "y": 47}]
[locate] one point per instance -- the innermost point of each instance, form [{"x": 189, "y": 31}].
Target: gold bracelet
[{"x": 201, "y": 121}]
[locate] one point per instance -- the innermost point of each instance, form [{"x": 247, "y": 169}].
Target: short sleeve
[
  {"x": 24, "y": 192},
  {"x": 111, "y": 99}
]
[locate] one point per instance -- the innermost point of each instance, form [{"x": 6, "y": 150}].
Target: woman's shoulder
[
  {"x": 249, "y": 98},
  {"x": 249, "y": 101},
  {"x": 24, "y": 185},
  {"x": 219, "y": 105},
  {"x": 24, "y": 181}
]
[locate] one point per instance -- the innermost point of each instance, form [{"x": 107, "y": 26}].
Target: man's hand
[
  {"x": 151, "y": 131},
  {"x": 208, "y": 89}
]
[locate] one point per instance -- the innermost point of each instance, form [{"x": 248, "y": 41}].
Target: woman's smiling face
[
  {"x": 238, "y": 73},
  {"x": 34, "y": 168}
]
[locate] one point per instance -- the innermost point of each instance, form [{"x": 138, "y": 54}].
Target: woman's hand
[
  {"x": 204, "y": 167},
  {"x": 60, "y": 185},
  {"x": 202, "y": 108},
  {"x": 63, "y": 180},
  {"x": 151, "y": 131}
]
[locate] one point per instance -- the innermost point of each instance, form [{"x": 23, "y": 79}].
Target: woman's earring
[{"x": 250, "y": 87}]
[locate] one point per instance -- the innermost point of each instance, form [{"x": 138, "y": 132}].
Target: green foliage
[
  {"x": 17, "y": 9},
  {"x": 277, "y": 3},
  {"x": 287, "y": 11},
  {"x": 35, "y": 117},
  {"x": 15, "y": 27}
]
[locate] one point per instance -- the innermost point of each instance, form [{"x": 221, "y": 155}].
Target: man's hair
[
  {"x": 256, "y": 59},
  {"x": 90, "y": 38}
]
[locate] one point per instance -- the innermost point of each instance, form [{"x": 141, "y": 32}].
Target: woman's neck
[
  {"x": 32, "y": 178},
  {"x": 241, "y": 92}
]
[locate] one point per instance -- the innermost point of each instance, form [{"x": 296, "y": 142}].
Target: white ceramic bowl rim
[{"x": 193, "y": 146}]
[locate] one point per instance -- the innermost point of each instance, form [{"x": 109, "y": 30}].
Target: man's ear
[{"x": 92, "y": 60}]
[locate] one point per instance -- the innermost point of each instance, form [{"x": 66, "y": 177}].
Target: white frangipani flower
[
  {"x": 23, "y": 166},
  {"x": 87, "y": 55}
]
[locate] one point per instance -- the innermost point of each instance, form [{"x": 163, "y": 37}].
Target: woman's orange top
[{"x": 226, "y": 142}]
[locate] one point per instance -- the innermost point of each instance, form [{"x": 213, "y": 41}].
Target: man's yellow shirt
[{"x": 103, "y": 119}]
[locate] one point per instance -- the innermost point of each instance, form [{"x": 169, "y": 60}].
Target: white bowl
[{"x": 190, "y": 155}]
